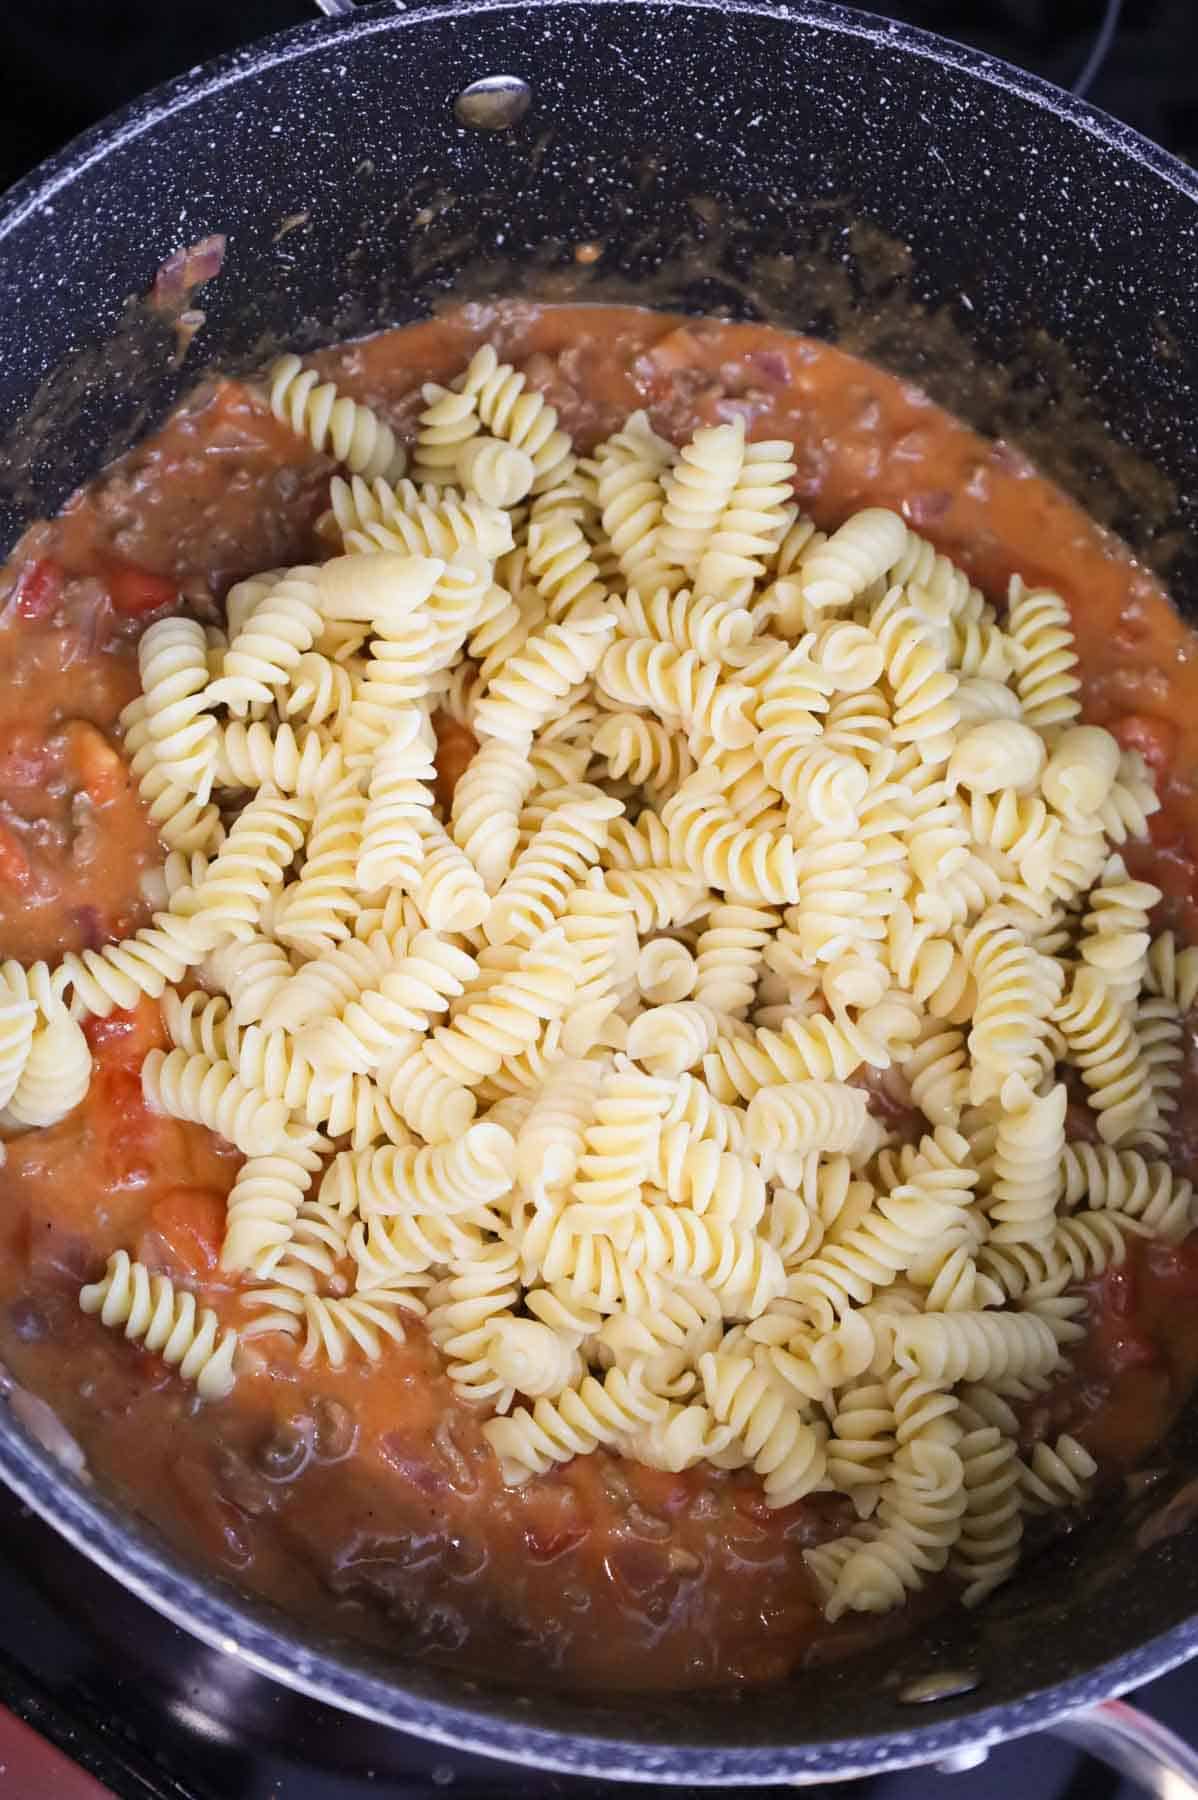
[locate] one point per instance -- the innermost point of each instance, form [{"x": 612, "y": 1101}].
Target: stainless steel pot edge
[{"x": 101, "y": 1532}]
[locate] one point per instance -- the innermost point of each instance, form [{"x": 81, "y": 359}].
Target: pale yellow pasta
[
  {"x": 835, "y": 572},
  {"x": 665, "y": 971},
  {"x": 1081, "y": 771},
  {"x": 333, "y": 422},
  {"x": 391, "y": 842},
  {"x": 55, "y": 1075},
  {"x": 999, "y": 754},
  {"x": 610, "y": 1059},
  {"x": 518, "y": 415},
  {"x": 167, "y": 1321},
  {"x": 446, "y": 427}
]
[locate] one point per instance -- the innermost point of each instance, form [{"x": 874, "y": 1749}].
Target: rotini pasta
[
  {"x": 167, "y": 1321},
  {"x": 660, "y": 946}
]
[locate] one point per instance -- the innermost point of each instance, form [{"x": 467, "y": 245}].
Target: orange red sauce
[{"x": 368, "y": 1497}]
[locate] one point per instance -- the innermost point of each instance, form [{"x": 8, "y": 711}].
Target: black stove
[{"x": 132, "y": 1705}]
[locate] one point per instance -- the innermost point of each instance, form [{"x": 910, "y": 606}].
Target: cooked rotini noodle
[
  {"x": 528, "y": 1443},
  {"x": 787, "y": 1452},
  {"x": 317, "y": 910},
  {"x": 1042, "y": 639},
  {"x": 1124, "y": 1182},
  {"x": 605, "y": 1058},
  {"x": 166, "y": 1320},
  {"x": 173, "y": 662},
  {"x": 210, "y": 1093},
  {"x": 332, "y": 422},
  {"x": 399, "y": 806},
  {"x": 835, "y": 572},
  {"x": 265, "y": 1199},
  {"x": 487, "y": 800},
  {"x": 522, "y": 695},
  {"x": 665, "y": 971},
  {"x": 518, "y": 415},
  {"x": 1103, "y": 1043},
  {"x": 446, "y": 427}
]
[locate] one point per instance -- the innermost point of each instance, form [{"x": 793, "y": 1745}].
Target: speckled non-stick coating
[{"x": 1033, "y": 263}]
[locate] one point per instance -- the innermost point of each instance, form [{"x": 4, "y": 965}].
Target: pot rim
[{"x": 112, "y": 1537}]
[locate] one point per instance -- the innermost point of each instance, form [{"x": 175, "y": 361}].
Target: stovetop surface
[{"x": 150, "y": 1712}]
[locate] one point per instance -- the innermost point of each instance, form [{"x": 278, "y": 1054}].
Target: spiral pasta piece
[
  {"x": 1045, "y": 655},
  {"x": 1027, "y": 1170},
  {"x": 55, "y": 1074},
  {"x": 835, "y": 572},
  {"x": 487, "y": 801},
  {"x": 1057, "y": 1475},
  {"x": 295, "y": 762},
  {"x": 554, "y": 862},
  {"x": 924, "y": 687},
  {"x": 166, "y": 1321},
  {"x": 697, "y": 488},
  {"x": 1115, "y": 939},
  {"x": 530, "y": 1442},
  {"x": 173, "y": 662},
  {"x": 752, "y": 523},
  {"x": 811, "y": 1049},
  {"x": 550, "y": 1143},
  {"x": 506, "y": 1018},
  {"x": 249, "y": 866},
  {"x": 18, "y": 1022},
  {"x": 399, "y": 806},
  {"x": 332, "y": 422},
  {"x": 679, "y": 685},
  {"x": 418, "y": 986},
  {"x": 806, "y": 1115},
  {"x": 1105, "y": 1046},
  {"x": 1016, "y": 1349},
  {"x": 646, "y": 751},
  {"x": 466, "y": 1311},
  {"x": 525, "y": 691},
  {"x": 665, "y": 971},
  {"x": 510, "y": 411},
  {"x": 265, "y": 1199},
  {"x": 436, "y": 1179},
  {"x": 1124, "y": 1182},
  {"x": 101, "y": 981},
  {"x": 786, "y": 1452},
  {"x": 317, "y": 910},
  {"x": 283, "y": 626},
  {"x": 210, "y": 1093},
  {"x": 448, "y": 425},
  {"x": 714, "y": 629}
]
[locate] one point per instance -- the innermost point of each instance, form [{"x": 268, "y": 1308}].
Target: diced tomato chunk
[
  {"x": 1174, "y": 1268},
  {"x": 1129, "y": 1348},
  {"x": 547, "y": 1543},
  {"x": 1119, "y": 1292},
  {"x": 184, "y": 1231},
  {"x": 39, "y": 589},
  {"x": 135, "y": 590},
  {"x": 102, "y": 769},
  {"x": 1153, "y": 738},
  {"x": 455, "y": 747},
  {"x": 14, "y": 864},
  {"x": 122, "y": 1039}
]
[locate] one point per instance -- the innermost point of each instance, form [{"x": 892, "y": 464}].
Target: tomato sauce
[{"x": 367, "y": 1497}]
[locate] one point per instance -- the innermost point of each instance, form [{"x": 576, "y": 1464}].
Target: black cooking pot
[{"x": 1031, "y": 263}]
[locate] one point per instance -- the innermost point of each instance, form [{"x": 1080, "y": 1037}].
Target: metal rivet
[
  {"x": 494, "y": 103},
  {"x": 943, "y": 1686}
]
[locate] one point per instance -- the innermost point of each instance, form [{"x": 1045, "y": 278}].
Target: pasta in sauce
[{"x": 644, "y": 1113}]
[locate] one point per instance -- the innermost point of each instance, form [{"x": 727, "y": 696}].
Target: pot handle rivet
[{"x": 493, "y": 103}]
